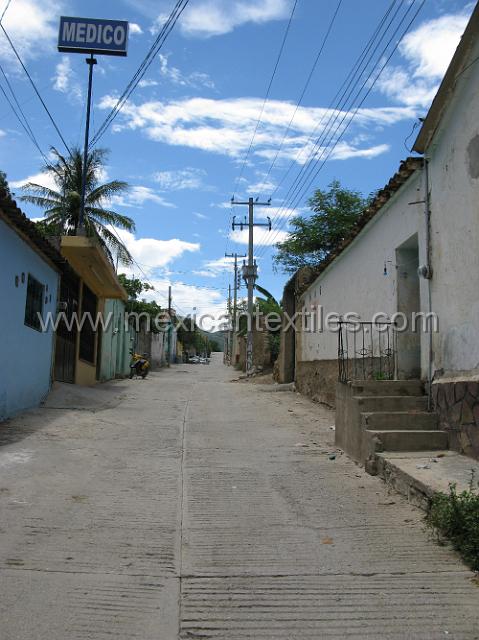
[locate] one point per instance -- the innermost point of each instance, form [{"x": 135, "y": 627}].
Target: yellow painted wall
[{"x": 85, "y": 373}]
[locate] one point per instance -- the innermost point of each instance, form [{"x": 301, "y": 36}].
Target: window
[
  {"x": 87, "y": 333},
  {"x": 34, "y": 303}
]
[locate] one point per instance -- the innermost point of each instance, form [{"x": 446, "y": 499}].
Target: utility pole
[
  {"x": 229, "y": 350},
  {"x": 250, "y": 271},
  {"x": 235, "y": 302},
  {"x": 169, "y": 327}
]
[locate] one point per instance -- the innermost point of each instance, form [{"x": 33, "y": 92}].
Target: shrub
[{"x": 456, "y": 517}]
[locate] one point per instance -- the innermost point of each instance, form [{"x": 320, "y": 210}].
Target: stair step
[
  {"x": 402, "y": 420},
  {"x": 409, "y": 440},
  {"x": 387, "y": 387},
  {"x": 371, "y": 404}
]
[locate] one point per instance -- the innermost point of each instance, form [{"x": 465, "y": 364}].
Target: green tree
[
  {"x": 134, "y": 287},
  {"x": 62, "y": 206},
  {"x": 4, "y": 186},
  {"x": 313, "y": 237},
  {"x": 214, "y": 346}
]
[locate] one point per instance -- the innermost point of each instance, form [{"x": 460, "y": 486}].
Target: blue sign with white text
[{"x": 90, "y": 35}]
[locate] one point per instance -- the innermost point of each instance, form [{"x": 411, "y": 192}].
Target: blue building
[{"x": 29, "y": 280}]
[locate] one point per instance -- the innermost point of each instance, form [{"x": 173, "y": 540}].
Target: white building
[{"x": 416, "y": 249}]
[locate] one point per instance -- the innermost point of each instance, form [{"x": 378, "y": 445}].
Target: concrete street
[{"x": 190, "y": 506}]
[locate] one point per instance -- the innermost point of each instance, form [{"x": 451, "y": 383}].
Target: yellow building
[{"x": 83, "y": 291}]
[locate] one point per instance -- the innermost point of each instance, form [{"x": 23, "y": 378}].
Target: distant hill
[{"x": 217, "y": 336}]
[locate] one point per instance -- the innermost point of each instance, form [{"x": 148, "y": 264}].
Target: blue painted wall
[{"x": 25, "y": 354}]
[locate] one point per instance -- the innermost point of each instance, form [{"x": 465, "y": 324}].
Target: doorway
[{"x": 408, "y": 303}]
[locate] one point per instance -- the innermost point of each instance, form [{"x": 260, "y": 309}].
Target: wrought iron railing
[{"x": 367, "y": 351}]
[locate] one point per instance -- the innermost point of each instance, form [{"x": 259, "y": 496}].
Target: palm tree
[{"x": 62, "y": 207}]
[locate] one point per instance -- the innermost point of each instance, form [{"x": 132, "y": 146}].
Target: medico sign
[{"x": 90, "y": 35}]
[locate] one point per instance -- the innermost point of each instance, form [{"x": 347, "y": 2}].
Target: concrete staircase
[{"x": 394, "y": 417}]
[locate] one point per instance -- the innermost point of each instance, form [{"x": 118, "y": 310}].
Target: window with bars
[{"x": 34, "y": 303}]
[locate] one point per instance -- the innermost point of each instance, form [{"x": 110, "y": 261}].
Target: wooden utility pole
[
  {"x": 250, "y": 271},
  {"x": 235, "y": 303}
]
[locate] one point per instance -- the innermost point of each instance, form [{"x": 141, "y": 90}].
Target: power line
[
  {"x": 285, "y": 36},
  {"x": 305, "y": 88},
  {"x": 35, "y": 87},
  {"x": 5, "y": 10},
  {"x": 140, "y": 72},
  {"x": 25, "y": 126},
  {"x": 335, "y": 103},
  {"x": 370, "y": 85},
  {"x": 146, "y": 277},
  {"x": 238, "y": 179},
  {"x": 310, "y": 166}
]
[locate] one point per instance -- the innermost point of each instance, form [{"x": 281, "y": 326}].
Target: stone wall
[
  {"x": 261, "y": 350},
  {"x": 317, "y": 379},
  {"x": 457, "y": 405}
]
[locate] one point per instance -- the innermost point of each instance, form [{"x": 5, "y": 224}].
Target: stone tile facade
[{"x": 457, "y": 405}]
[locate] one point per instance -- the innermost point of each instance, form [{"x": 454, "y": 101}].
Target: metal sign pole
[{"x": 81, "y": 220}]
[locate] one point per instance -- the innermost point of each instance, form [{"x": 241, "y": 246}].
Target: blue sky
[{"x": 182, "y": 138}]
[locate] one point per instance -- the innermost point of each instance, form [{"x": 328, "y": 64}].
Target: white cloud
[
  {"x": 427, "y": 52},
  {"x": 201, "y": 216},
  {"x": 204, "y": 273},
  {"x": 138, "y": 195},
  {"x": 65, "y": 80},
  {"x": 207, "y": 301},
  {"x": 344, "y": 151},
  {"x": 431, "y": 46},
  {"x": 151, "y": 253},
  {"x": 33, "y": 28},
  {"x": 135, "y": 197},
  {"x": 174, "y": 75},
  {"x": 189, "y": 178},
  {"x": 154, "y": 256},
  {"x": 143, "y": 84},
  {"x": 225, "y": 126},
  {"x": 276, "y": 212},
  {"x": 217, "y": 17},
  {"x": 43, "y": 179},
  {"x": 220, "y": 265},
  {"x": 261, "y": 236},
  {"x": 135, "y": 29}
]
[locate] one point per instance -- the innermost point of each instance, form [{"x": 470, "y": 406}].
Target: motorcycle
[{"x": 140, "y": 365}]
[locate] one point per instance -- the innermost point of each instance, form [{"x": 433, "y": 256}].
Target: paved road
[{"x": 188, "y": 506}]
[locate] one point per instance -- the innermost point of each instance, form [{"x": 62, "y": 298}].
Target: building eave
[{"x": 89, "y": 261}]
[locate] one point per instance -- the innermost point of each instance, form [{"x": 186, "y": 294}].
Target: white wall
[
  {"x": 355, "y": 281},
  {"x": 454, "y": 183}
]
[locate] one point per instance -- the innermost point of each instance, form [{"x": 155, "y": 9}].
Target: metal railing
[{"x": 367, "y": 351}]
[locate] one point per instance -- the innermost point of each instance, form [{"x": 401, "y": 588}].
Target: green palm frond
[
  {"x": 114, "y": 244},
  {"x": 107, "y": 190},
  {"x": 62, "y": 207},
  {"x": 111, "y": 217}
]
